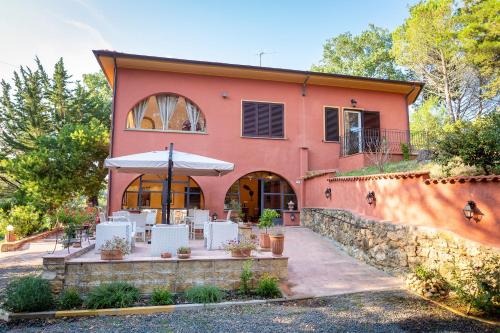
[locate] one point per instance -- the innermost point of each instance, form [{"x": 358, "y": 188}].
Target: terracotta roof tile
[
  {"x": 397, "y": 175},
  {"x": 463, "y": 179},
  {"x": 318, "y": 173}
]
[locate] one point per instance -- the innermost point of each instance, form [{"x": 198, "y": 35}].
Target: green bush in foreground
[
  {"x": 69, "y": 299},
  {"x": 112, "y": 295},
  {"x": 162, "y": 296},
  {"x": 204, "y": 294},
  {"x": 267, "y": 287},
  {"x": 28, "y": 294}
]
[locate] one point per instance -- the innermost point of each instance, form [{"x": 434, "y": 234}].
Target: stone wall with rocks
[
  {"x": 177, "y": 275},
  {"x": 394, "y": 247}
]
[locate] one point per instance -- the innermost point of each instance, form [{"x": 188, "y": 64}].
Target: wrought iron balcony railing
[{"x": 374, "y": 139}]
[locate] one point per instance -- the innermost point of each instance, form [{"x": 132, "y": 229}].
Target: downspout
[
  {"x": 303, "y": 151},
  {"x": 408, "y": 134},
  {"x": 112, "y": 129}
]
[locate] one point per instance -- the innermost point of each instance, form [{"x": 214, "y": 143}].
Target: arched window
[{"x": 166, "y": 112}]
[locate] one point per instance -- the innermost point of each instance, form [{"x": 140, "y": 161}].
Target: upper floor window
[
  {"x": 166, "y": 112},
  {"x": 331, "y": 124},
  {"x": 263, "y": 120}
]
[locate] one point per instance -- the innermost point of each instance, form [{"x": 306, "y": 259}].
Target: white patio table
[
  {"x": 106, "y": 231},
  {"x": 168, "y": 238},
  {"x": 219, "y": 233}
]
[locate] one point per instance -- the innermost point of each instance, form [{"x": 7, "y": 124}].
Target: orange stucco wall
[
  {"x": 302, "y": 149},
  {"x": 411, "y": 201}
]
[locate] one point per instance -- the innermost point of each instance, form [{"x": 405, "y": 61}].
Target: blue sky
[{"x": 292, "y": 32}]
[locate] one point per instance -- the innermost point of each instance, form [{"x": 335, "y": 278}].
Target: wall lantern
[
  {"x": 328, "y": 193},
  {"x": 224, "y": 94},
  {"x": 292, "y": 217},
  {"x": 370, "y": 198},
  {"x": 214, "y": 217},
  {"x": 291, "y": 205},
  {"x": 354, "y": 102},
  {"x": 472, "y": 212}
]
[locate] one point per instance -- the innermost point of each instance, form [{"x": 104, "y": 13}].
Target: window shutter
[
  {"x": 249, "y": 119},
  {"x": 277, "y": 121},
  {"x": 331, "y": 124},
  {"x": 371, "y": 120},
  {"x": 263, "y": 126}
]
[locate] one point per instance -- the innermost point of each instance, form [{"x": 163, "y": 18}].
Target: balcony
[{"x": 370, "y": 140}]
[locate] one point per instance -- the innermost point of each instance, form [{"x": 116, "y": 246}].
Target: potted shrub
[
  {"x": 277, "y": 238},
  {"x": 266, "y": 222},
  {"x": 183, "y": 252},
  {"x": 240, "y": 249},
  {"x": 115, "y": 249}
]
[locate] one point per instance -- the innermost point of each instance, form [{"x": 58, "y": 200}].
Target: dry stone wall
[{"x": 395, "y": 247}]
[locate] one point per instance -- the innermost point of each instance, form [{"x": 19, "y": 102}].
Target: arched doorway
[
  {"x": 257, "y": 191},
  {"x": 145, "y": 192}
]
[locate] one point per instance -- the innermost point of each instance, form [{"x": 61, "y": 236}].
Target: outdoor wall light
[
  {"x": 224, "y": 94},
  {"x": 471, "y": 212},
  {"x": 214, "y": 217},
  {"x": 292, "y": 217},
  {"x": 328, "y": 193},
  {"x": 370, "y": 198},
  {"x": 354, "y": 102}
]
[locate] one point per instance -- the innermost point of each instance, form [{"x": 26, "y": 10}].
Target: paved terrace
[{"x": 316, "y": 267}]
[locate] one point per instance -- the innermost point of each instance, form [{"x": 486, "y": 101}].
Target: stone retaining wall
[
  {"x": 177, "y": 275},
  {"x": 17, "y": 245},
  {"x": 394, "y": 247}
]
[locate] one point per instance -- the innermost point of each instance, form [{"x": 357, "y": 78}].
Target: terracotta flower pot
[
  {"x": 265, "y": 242},
  {"x": 184, "y": 255},
  {"x": 111, "y": 255},
  {"x": 166, "y": 255},
  {"x": 277, "y": 244},
  {"x": 241, "y": 253}
]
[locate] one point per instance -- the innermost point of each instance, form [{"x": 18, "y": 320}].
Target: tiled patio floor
[{"x": 316, "y": 267}]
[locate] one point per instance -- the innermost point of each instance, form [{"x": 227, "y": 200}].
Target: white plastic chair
[
  {"x": 168, "y": 238},
  {"x": 200, "y": 217},
  {"x": 151, "y": 219},
  {"x": 102, "y": 217},
  {"x": 140, "y": 224},
  {"x": 219, "y": 233}
]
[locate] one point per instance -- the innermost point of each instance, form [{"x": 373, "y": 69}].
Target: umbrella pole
[{"x": 169, "y": 183}]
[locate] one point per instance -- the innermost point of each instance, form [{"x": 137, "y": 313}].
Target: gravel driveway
[{"x": 385, "y": 311}]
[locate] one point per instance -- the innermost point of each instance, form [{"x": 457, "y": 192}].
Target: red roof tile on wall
[
  {"x": 463, "y": 179},
  {"x": 397, "y": 175}
]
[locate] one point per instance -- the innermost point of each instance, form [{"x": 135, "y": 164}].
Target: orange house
[{"x": 273, "y": 124}]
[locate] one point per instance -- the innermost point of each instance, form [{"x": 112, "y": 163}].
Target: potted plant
[
  {"x": 277, "y": 238},
  {"x": 183, "y": 252},
  {"x": 266, "y": 222},
  {"x": 114, "y": 249},
  {"x": 241, "y": 248}
]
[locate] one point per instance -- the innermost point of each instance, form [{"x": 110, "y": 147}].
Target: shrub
[
  {"x": 112, "y": 295},
  {"x": 267, "y": 218},
  {"x": 204, "y": 294},
  {"x": 268, "y": 287},
  {"x": 26, "y": 220},
  {"x": 423, "y": 273},
  {"x": 476, "y": 143},
  {"x": 479, "y": 286},
  {"x": 162, "y": 296},
  {"x": 246, "y": 276},
  {"x": 406, "y": 151},
  {"x": 28, "y": 294},
  {"x": 69, "y": 299}
]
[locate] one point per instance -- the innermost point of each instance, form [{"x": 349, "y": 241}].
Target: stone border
[{"x": 14, "y": 246}]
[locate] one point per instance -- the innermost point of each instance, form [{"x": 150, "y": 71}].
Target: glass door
[
  {"x": 352, "y": 132},
  {"x": 272, "y": 196}
]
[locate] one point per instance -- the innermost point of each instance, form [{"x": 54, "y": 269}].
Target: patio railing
[{"x": 373, "y": 139}]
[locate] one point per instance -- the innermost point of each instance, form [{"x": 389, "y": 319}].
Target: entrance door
[
  {"x": 352, "y": 132},
  {"x": 275, "y": 194}
]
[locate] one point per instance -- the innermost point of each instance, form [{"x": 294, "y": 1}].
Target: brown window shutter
[
  {"x": 249, "y": 119},
  {"x": 371, "y": 120},
  {"x": 263, "y": 126},
  {"x": 277, "y": 121},
  {"x": 331, "y": 124}
]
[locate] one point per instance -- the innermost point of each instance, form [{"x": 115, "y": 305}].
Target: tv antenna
[{"x": 260, "y": 54}]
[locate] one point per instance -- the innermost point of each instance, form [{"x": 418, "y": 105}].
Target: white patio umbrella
[{"x": 171, "y": 162}]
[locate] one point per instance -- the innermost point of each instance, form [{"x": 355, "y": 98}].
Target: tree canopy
[
  {"x": 367, "y": 54},
  {"x": 53, "y": 136}
]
